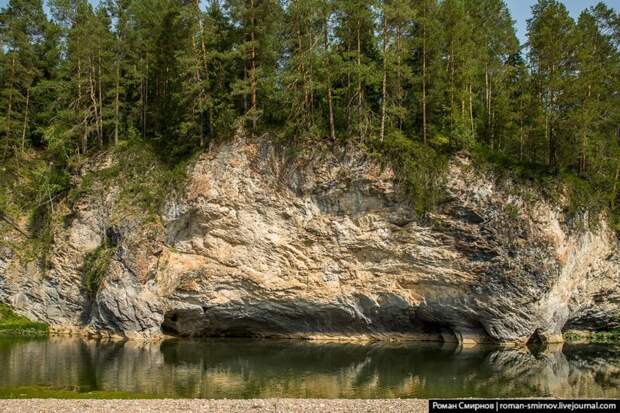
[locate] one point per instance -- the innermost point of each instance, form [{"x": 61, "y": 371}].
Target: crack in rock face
[{"x": 327, "y": 246}]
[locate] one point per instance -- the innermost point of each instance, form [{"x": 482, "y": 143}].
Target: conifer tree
[
  {"x": 551, "y": 40},
  {"x": 258, "y": 22},
  {"x": 357, "y": 47},
  {"x": 22, "y": 24}
]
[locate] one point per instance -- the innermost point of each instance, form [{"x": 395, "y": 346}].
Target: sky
[{"x": 521, "y": 10}]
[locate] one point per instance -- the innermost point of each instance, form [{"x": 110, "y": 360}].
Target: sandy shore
[{"x": 215, "y": 406}]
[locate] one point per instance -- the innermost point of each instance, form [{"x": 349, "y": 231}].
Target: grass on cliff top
[
  {"x": 44, "y": 392},
  {"x": 13, "y": 324}
]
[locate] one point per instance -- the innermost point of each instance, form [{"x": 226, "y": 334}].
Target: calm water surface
[{"x": 266, "y": 369}]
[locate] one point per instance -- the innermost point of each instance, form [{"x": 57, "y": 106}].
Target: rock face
[{"x": 258, "y": 244}]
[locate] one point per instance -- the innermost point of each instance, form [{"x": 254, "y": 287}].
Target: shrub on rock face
[
  {"x": 419, "y": 168},
  {"x": 95, "y": 267}
]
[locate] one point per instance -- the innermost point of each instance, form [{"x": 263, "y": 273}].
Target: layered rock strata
[{"x": 326, "y": 246}]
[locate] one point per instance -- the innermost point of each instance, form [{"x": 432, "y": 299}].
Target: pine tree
[
  {"x": 305, "y": 37},
  {"x": 357, "y": 48},
  {"x": 424, "y": 69},
  {"x": 461, "y": 66},
  {"x": 397, "y": 24},
  {"x": 495, "y": 39},
  {"x": 22, "y": 22},
  {"x": 258, "y": 22},
  {"x": 551, "y": 39},
  {"x": 224, "y": 67},
  {"x": 118, "y": 11}
]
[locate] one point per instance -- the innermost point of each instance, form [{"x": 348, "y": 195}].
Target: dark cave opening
[{"x": 537, "y": 341}]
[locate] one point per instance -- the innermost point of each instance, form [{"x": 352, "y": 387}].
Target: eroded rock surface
[{"x": 259, "y": 244}]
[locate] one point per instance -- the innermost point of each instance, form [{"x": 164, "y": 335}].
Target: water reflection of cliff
[{"x": 242, "y": 369}]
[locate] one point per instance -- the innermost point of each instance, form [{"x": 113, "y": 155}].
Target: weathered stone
[{"x": 327, "y": 247}]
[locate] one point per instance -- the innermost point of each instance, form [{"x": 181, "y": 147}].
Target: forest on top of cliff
[{"x": 411, "y": 81}]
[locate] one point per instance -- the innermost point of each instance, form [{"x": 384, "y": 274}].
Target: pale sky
[{"x": 521, "y": 10}]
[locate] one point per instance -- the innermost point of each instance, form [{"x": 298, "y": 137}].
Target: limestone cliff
[{"x": 258, "y": 243}]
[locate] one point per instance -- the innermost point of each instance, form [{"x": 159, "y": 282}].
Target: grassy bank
[
  {"x": 44, "y": 392},
  {"x": 15, "y": 325},
  {"x": 594, "y": 337}
]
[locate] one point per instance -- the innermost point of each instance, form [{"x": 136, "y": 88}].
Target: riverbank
[
  {"x": 224, "y": 406},
  {"x": 592, "y": 337},
  {"x": 12, "y": 324}
]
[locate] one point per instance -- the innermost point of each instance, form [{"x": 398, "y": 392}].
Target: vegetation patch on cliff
[
  {"x": 579, "y": 195},
  {"x": 13, "y": 324},
  {"x": 420, "y": 169},
  {"x": 144, "y": 181},
  {"x": 95, "y": 267}
]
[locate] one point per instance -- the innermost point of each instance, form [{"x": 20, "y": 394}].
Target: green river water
[{"x": 73, "y": 367}]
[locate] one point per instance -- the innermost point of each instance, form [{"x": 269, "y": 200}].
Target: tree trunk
[
  {"x": 359, "y": 77},
  {"x": 424, "y": 120},
  {"x": 205, "y": 63},
  {"x": 100, "y": 94},
  {"x": 117, "y": 92},
  {"x": 79, "y": 107},
  {"x": 146, "y": 98},
  {"x": 330, "y": 100},
  {"x": 93, "y": 98},
  {"x": 584, "y": 143},
  {"x": 142, "y": 105},
  {"x": 201, "y": 96},
  {"x": 9, "y": 112},
  {"x": 253, "y": 80},
  {"x": 399, "y": 97},
  {"x": 451, "y": 69},
  {"x": 471, "y": 111},
  {"x": 203, "y": 45},
  {"x": 521, "y": 137},
  {"x": 490, "y": 114},
  {"x": 25, "y": 126},
  {"x": 550, "y": 122},
  {"x": 552, "y": 143},
  {"x": 615, "y": 190},
  {"x": 487, "y": 99},
  {"x": 302, "y": 70},
  {"x": 13, "y": 224},
  {"x": 384, "y": 86}
]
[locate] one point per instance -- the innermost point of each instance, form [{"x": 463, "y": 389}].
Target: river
[{"x": 298, "y": 369}]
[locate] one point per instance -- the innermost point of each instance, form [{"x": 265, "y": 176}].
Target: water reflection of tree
[
  {"x": 240, "y": 368},
  {"x": 380, "y": 370}
]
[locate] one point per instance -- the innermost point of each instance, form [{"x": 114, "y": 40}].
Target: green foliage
[
  {"x": 161, "y": 80},
  {"x": 144, "y": 180},
  {"x": 584, "y": 198},
  {"x": 419, "y": 168},
  {"x": 95, "y": 268},
  {"x": 596, "y": 337},
  {"x": 15, "y": 325},
  {"x": 512, "y": 211},
  {"x": 29, "y": 187}
]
